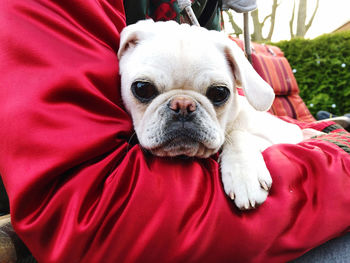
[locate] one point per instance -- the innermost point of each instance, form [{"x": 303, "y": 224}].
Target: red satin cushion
[{"x": 79, "y": 192}]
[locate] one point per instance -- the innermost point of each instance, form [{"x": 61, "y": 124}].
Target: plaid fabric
[
  {"x": 333, "y": 132},
  {"x": 340, "y": 138},
  {"x": 273, "y": 67}
]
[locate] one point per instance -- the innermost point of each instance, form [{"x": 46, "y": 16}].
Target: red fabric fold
[{"x": 79, "y": 192}]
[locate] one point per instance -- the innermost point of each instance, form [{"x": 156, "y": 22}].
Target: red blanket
[{"x": 80, "y": 192}]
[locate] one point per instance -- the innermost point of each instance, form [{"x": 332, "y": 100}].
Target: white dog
[{"x": 179, "y": 83}]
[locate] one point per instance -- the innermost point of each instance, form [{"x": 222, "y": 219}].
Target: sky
[{"x": 331, "y": 14}]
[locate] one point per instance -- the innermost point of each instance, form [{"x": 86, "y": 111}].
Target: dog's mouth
[{"x": 182, "y": 143}]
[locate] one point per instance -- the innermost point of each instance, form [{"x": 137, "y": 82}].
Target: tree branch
[
  {"x": 302, "y": 11},
  {"x": 273, "y": 16},
  {"x": 237, "y": 30},
  {"x": 257, "y": 34},
  {"x": 255, "y": 16},
  {"x": 291, "y": 22},
  {"x": 267, "y": 17},
  {"x": 312, "y": 17}
]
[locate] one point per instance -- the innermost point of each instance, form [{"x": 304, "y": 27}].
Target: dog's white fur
[{"x": 183, "y": 60}]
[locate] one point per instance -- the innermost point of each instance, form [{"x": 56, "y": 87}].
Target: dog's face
[{"x": 178, "y": 83}]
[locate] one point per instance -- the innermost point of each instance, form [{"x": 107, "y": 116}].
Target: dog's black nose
[{"x": 182, "y": 106}]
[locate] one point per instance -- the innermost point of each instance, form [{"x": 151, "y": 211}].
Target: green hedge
[{"x": 322, "y": 70}]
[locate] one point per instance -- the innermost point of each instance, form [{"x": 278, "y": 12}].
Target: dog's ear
[
  {"x": 258, "y": 93},
  {"x": 132, "y": 34}
]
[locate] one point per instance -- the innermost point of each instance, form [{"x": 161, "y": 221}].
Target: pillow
[
  {"x": 292, "y": 106},
  {"x": 273, "y": 67}
]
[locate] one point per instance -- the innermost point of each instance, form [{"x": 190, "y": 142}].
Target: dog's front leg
[{"x": 245, "y": 176}]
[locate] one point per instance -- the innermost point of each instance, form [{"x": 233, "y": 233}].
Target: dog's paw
[{"x": 246, "y": 183}]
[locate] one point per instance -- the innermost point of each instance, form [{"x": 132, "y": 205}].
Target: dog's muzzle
[
  {"x": 183, "y": 133},
  {"x": 184, "y": 128},
  {"x": 181, "y": 126}
]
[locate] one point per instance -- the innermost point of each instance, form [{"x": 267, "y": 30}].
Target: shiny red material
[{"x": 80, "y": 192}]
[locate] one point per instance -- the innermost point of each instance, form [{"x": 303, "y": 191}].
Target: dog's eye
[
  {"x": 144, "y": 91},
  {"x": 218, "y": 95}
]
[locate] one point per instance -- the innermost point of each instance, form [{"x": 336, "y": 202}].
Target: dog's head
[{"x": 178, "y": 83}]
